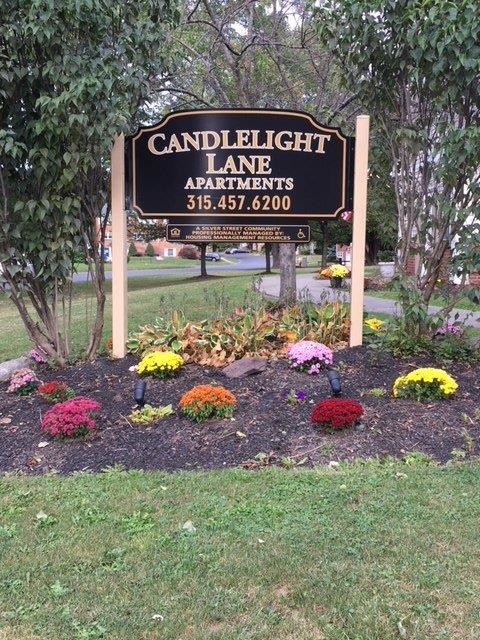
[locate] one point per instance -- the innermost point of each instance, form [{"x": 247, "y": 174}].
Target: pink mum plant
[
  {"x": 70, "y": 419},
  {"x": 309, "y": 356},
  {"x": 23, "y": 382}
]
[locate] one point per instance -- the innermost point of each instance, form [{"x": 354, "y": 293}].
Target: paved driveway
[
  {"x": 246, "y": 262},
  {"x": 319, "y": 290}
]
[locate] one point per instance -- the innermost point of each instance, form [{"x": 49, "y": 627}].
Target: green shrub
[{"x": 189, "y": 252}]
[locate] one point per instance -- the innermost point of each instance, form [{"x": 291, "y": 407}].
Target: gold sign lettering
[{"x": 240, "y": 139}]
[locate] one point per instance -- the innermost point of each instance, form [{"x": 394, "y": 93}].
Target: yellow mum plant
[
  {"x": 335, "y": 271},
  {"x": 375, "y": 324},
  {"x": 339, "y": 271},
  {"x": 161, "y": 364},
  {"x": 425, "y": 384}
]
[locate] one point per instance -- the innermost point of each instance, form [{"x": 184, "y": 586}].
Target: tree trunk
[
  {"x": 268, "y": 250},
  {"x": 288, "y": 278},
  {"x": 324, "y": 227},
  {"x": 275, "y": 253},
  {"x": 203, "y": 262},
  {"x": 93, "y": 246},
  {"x": 372, "y": 250}
]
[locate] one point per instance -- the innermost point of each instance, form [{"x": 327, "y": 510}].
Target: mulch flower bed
[{"x": 266, "y": 422}]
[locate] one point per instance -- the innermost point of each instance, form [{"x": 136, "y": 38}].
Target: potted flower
[{"x": 336, "y": 273}]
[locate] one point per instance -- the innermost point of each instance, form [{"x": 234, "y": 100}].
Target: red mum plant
[
  {"x": 70, "y": 419},
  {"x": 55, "y": 391},
  {"x": 337, "y": 413}
]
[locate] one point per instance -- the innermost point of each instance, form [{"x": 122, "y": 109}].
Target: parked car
[
  {"x": 213, "y": 256},
  {"x": 237, "y": 250}
]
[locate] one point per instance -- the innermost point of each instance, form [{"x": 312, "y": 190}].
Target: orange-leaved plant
[{"x": 206, "y": 401}]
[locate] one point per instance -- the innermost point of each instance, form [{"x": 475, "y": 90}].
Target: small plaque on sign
[{"x": 237, "y": 233}]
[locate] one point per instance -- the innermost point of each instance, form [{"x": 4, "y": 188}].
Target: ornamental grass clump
[
  {"x": 334, "y": 414},
  {"x": 70, "y": 419},
  {"x": 425, "y": 384},
  {"x": 148, "y": 414},
  {"x": 309, "y": 356},
  {"x": 207, "y": 401},
  {"x": 23, "y": 382},
  {"x": 55, "y": 391},
  {"x": 160, "y": 364}
]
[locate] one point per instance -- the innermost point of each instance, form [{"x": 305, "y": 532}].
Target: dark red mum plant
[
  {"x": 337, "y": 413},
  {"x": 70, "y": 419},
  {"x": 55, "y": 391}
]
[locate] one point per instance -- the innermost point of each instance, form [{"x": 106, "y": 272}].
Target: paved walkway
[{"x": 320, "y": 290}]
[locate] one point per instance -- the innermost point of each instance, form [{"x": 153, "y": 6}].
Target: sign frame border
[{"x": 346, "y": 161}]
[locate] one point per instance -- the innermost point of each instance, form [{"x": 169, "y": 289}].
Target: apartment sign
[{"x": 244, "y": 167}]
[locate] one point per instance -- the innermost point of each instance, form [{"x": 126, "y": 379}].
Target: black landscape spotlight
[
  {"x": 139, "y": 392},
  {"x": 335, "y": 382}
]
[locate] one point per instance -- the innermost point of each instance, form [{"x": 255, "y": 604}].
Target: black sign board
[
  {"x": 197, "y": 233},
  {"x": 245, "y": 165}
]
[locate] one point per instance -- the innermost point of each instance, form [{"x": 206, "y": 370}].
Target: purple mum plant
[
  {"x": 449, "y": 328},
  {"x": 309, "y": 356},
  {"x": 294, "y": 396},
  {"x": 37, "y": 356}
]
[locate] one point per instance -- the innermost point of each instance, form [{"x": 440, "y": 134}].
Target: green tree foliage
[
  {"x": 132, "y": 250},
  {"x": 415, "y": 65},
  {"x": 381, "y": 211},
  {"x": 256, "y": 54},
  {"x": 145, "y": 230},
  {"x": 149, "y": 252},
  {"x": 73, "y": 74}
]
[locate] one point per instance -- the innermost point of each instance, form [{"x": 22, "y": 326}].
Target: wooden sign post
[
  {"x": 359, "y": 230},
  {"x": 119, "y": 249}
]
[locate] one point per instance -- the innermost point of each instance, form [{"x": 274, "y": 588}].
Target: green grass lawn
[
  {"x": 464, "y": 303},
  {"x": 365, "y": 552},
  {"x": 149, "y": 297},
  {"x": 143, "y": 262}
]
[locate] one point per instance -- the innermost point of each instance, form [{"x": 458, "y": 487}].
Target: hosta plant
[
  {"x": 23, "y": 382},
  {"x": 207, "y": 401},
  {"x": 333, "y": 414},
  {"x": 148, "y": 414},
  {"x": 71, "y": 419},
  {"x": 309, "y": 356},
  {"x": 251, "y": 332},
  {"x": 55, "y": 391},
  {"x": 425, "y": 383},
  {"x": 160, "y": 364}
]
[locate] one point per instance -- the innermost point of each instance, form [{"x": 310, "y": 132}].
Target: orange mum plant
[{"x": 205, "y": 401}]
